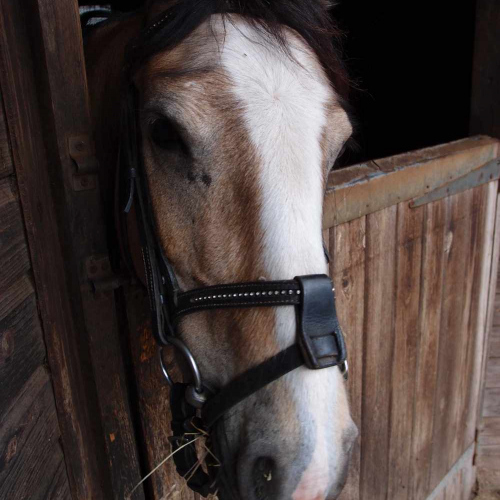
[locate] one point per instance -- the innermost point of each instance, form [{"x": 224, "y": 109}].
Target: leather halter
[{"x": 319, "y": 344}]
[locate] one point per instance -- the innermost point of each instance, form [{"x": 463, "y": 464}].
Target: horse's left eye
[{"x": 165, "y": 135}]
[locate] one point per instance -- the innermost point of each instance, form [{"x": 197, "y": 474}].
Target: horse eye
[{"x": 166, "y": 136}]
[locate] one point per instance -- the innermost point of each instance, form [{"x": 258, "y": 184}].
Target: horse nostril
[{"x": 264, "y": 478}]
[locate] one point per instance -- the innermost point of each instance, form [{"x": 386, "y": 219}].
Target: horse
[{"x": 241, "y": 112}]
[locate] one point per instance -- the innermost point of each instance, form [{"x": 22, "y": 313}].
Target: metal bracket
[
  {"x": 487, "y": 173},
  {"x": 101, "y": 276},
  {"x": 81, "y": 151}
]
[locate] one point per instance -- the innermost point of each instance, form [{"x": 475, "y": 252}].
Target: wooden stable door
[{"x": 83, "y": 406}]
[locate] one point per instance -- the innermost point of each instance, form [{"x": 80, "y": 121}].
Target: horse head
[{"x": 240, "y": 114}]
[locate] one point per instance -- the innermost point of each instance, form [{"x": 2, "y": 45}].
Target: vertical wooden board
[
  {"x": 110, "y": 380},
  {"x": 428, "y": 345},
  {"x": 455, "y": 304},
  {"x": 23, "y": 74},
  {"x": 377, "y": 351},
  {"x": 347, "y": 250},
  {"x": 153, "y": 400},
  {"x": 406, "y": 332},
  {"x": 484, "y": 216}
]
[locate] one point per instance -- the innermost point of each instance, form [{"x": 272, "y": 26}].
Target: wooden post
[{"x": 485, "y": 105}]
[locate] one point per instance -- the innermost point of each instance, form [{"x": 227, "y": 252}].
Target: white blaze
[{"x": 285, "y": 104}]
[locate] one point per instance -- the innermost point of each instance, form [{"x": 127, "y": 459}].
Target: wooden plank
[
  {"x": 15, "y": 295},
  {"x": 13, "y": 251},
  {"x": 46, "y": 103},
  {"x": 378, "y": 347},
  {"x": 404, "y": 359},
  {"x": 6, "y": 167},
  {"x": 59, "y": 487},
  {"x": 491, "y": 405},
  {"x": 401, "y": 178},
  {"x": 21, "y": 82},
  {"x": 21, "y": 349},
  {"x": 477, "y": 273},
  {"x": 489, "y": 433},
  {"x": 347, "y": 249},
  {"x": 428, "y": 347},
  {"x": 493, "y": 373},
  {"x": 29, "y": 433},
  {"x": 454, "y": 319},
  {"x": 485, "y": 107}
]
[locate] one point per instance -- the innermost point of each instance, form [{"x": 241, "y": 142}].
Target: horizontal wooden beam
[{"x": 367, "y": 188}]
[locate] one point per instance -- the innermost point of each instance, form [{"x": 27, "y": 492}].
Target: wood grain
[
  {"x": 453, "y": 334},
  {"x": 347, "y": 250},
  {"x": 404, "y": 358},
  {"x": 428, "y": 346},
  {"x": 482, "y": 250},
  {"x": 32, "y": 464},
  {"x": 13, "y": 250},
  {"x": 378, "y": 350},
  {"x": 21, "y": 349},
  {"x": 6, "y": 167}
]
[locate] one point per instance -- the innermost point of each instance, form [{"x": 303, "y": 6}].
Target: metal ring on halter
[
  {"x": 168, "y": 378},
  {"x": 191, "y": 362},
  {"x": 344, "y": 369}
]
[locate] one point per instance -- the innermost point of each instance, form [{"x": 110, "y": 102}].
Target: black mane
[{"x": 309, "y": 18}]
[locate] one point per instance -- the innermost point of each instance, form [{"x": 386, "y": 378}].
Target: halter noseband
[{"x": 319, "y": 345}]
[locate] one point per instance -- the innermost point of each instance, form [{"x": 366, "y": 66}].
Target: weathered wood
[
  {"x": 46, "y": 103},
  {"x": 403, "y": 177},
  {"x": 485, "y": 106},
  {"x": 21, "y": 80},
  {"x": 482, "y": 250},
  {"x": 458, "y": 230},
  {"x": 13, "y": 251},
  {"x": 404, "y": 358},
  {"x": 455, "y": 479},
  {"x": 348, "y": 273},
  {"x": 493, "y": 373},
  {"x": 491, "y": 405},
  {"x": 31, "y": 457},
  {"x": 428, "y": 346},
  {"x": 489, "y": 432},
  {"x": 21, "y": 349},
  {"x": 6, "y": 167},
  {"x": 379, "y": 338}
]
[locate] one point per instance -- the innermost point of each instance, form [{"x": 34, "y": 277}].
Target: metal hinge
[
  {"x": 81, "y": 151},
  {"x": 100, "y": 275},
  {"x": 486, "y": 173}
]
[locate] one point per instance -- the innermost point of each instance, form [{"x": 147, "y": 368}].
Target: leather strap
[
  {"x": 251, "y": 381},
  {"x": 185, "y": 456},
  {"x": 251, "y": 294}
]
